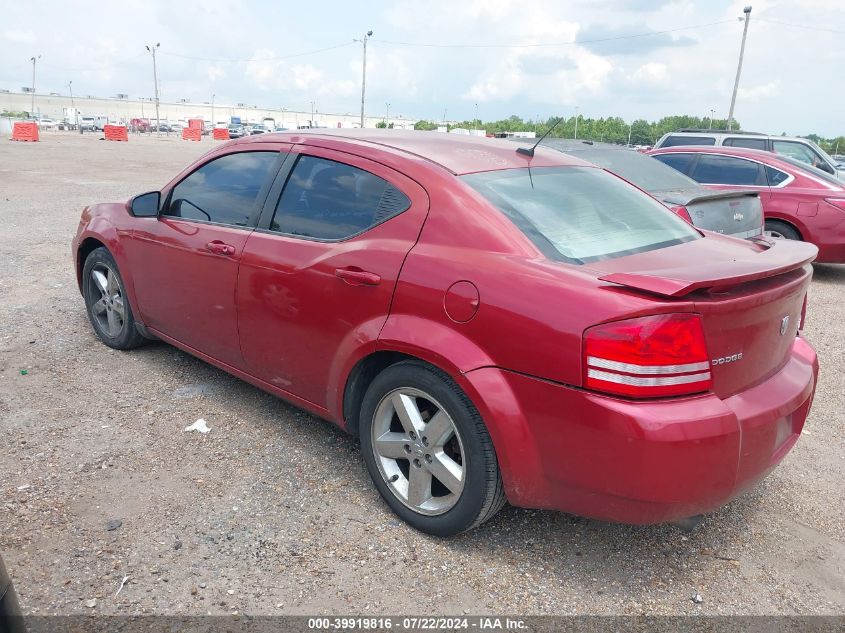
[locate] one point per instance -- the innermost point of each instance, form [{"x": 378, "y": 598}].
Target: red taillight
[
  {"x": 648, "y": 357},
  {"x": 681, "y": 211},
  {"x": 839, "y": 203}
]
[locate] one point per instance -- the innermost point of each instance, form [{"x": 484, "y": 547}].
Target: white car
[{"x": 47, "y": 124}]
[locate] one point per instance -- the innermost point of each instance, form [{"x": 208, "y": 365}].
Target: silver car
[{"x": 793, "y": 146}]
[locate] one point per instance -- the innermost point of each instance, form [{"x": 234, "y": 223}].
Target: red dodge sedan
[
  {"x": 800, "y": 202},
  {"x": 495, "y": 324}
]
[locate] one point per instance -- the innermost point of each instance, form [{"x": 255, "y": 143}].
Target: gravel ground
[{"x": 272, "y": 512}]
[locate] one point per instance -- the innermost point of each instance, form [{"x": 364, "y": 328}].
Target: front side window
[
  {"x": 675, "y": 140},
  {"x": 798, "y": 151},
  {"x": 728, "y": 170},
  {"x": 224, "y": 190},
  {"x": 581, "y": 214},
  {"x": 745, "y": 141},
  {"x": 327, "y": 200}
]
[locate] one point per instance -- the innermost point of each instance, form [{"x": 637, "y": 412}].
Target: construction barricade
[
  {"x": 191, "y": 134},
  {"x": 115, "y": 133},
  {"x": 221, "y": 134},
  {"x": 25, "y": 131},
  {"x": 195, "y": 123}
]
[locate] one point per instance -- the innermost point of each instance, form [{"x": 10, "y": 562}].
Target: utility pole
[
  {"x": 576, "y": 123},
  {"x": 747, "y": 12},
  {"x": 712, "y": 114},
  {"x": 476, "y": 120},
  {"x": 312, "y": 114},
  {"x": 444, "y": 116},
  {"x": 152, "y": 50},
  {"x": 387, "y": 116},
  {"x": 630, "y": 129},
  {"x": 32, "y": 107},
  {"x": 213, "y": 122},
  {"x": 364, "y": 74}
]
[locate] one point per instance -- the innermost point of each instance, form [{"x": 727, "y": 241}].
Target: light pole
[
  {"x": 576, "y": 122},
  {"x": 364, "y": 74},
  {"x": 152, "y": 50},
  {"x": 387, "y": 116},
  {"x": 630, "y": 129},
  {"x": 476, "y": 120},
  {"x": 747, "y": 17},
  {"x": 213, "y": 122},
  {"x": 312, "y": 113},
  {"x": 73, "y": 106},
  {"x": 32, "y": 107},
  {"x": 712, "y": 114}
]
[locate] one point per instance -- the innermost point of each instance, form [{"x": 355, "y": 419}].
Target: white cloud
[
  {"x": 760, "y": 91},
  {"x": 19, "y": 37}
]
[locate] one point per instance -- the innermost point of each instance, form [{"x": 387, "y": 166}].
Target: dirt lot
[{"x": 272, "y": 511}]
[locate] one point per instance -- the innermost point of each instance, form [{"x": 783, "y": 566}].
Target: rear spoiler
[{"x": 780, "y": 256}]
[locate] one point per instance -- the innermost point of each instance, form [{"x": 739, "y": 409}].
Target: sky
[{"x": 532, "y": 58}]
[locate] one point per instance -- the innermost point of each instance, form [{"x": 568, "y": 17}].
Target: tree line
[{"x": 612, "y": 129}]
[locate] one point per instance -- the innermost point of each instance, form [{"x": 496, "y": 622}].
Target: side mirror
[{"x": 145, "y": 205}]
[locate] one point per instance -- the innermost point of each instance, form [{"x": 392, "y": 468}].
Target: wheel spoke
[
  {"x": 439, "y": 429},
  {"x": 447, "y": 471},
  {"x": 101, "y": 281},
  {"x": 419, "y": 486},
  {"x": 393, "y": 445},
  {"x": 100, "y": 306},
  {"x": 114, "y": 323},
  {"x": 119, "y": 309},
  {"x": 409, "y": 414},
  {"x": 112, "y": 287}
]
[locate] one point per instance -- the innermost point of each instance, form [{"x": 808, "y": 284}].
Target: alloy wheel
[
  {"x": 108, "y": 307},
  {"x": 418, "y": 451}
]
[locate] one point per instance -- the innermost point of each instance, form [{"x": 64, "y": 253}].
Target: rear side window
[
  {"x": 327, "y": 200},
  {"x": 728, "y": 170},
  {"x": 744, "y": 141},
  {"x": 775, "y": 176},
  {"x": 676, "y": 139},
  {"x": 224, "y": 190},
  {"x": 581, "y": 214},
  {"x": 681, "y": 162}
]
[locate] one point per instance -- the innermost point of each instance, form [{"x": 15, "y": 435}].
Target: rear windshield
[
  {"x": 581, "y": 214},
  {"x": 675, "y": 140},
  {"x": 637, "y": 168}
]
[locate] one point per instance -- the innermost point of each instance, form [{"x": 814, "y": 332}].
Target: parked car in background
[
  {"x": 176, "y": 126},
  {"x": 88, "y": 123},
  {"x": 256, "y": 128},
  {"x": 237, "y": 131},
  {"x": 800, "y": 202},
  {"x": 140, "y": 125},
  {"x": 494, "y": 324},
  {"x": 47, "y": 124},
  {"x": 735, "y": 213},
  {"x": 801, "y": 149},
  {"x": 280, "y": 129}
]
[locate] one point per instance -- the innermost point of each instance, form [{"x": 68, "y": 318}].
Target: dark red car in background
[
  {"x": 494, "y": 324},
  {"x": 800, "y": 202}
]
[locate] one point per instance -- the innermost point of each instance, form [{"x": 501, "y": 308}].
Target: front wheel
[
  {"x": 428, "y": 451},
  {"x": 105, "y": 300}
]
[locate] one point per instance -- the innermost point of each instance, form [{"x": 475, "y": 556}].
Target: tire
[
  {"x": 782, "y": 230},
  {"x": 106, "y": 303},
  {"x": 443, "y": 485}
]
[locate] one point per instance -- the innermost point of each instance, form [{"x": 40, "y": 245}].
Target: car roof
[{"x": 458, "y": 153}]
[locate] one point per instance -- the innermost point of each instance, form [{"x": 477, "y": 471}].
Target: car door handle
[
  {"x": 357, "y": 277},
  {"x": 220, "y": 248}
]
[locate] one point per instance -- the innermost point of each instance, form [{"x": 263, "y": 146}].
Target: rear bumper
[{"x": 640, "y": 462}]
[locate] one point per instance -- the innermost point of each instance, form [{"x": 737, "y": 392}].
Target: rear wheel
[
  {"x": 428, "y": 451},
  {"x": 105, "y": 300},
  {"x": 781, "y": 230}
]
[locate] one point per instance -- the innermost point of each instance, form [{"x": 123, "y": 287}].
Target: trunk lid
[
  {"x": 750, "y": 298},
  {"x": 734, "y": 213}
]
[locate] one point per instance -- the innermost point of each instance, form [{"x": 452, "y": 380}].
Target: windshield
[
  {"x": 639, "y": 169},
  {"x": 581, "y": 214}
]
